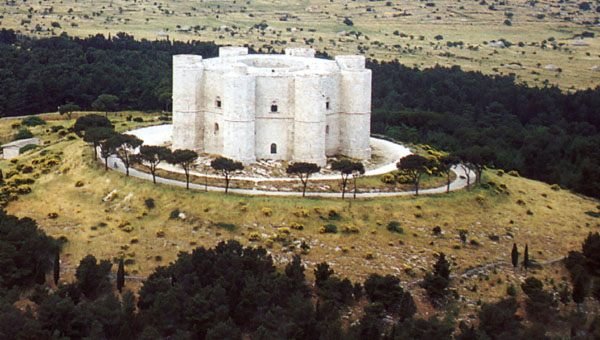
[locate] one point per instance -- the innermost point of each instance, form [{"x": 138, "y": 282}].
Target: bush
[
  {"x": 333, "y": 215},
  {"x": 56, "y": 128},
  {"x": 267, "y": 211},
  {"x": 328, "y": 228},
  {"x": 394, "y": 226},
  {"x": 388, "y": 179},
  {"x": 174, "y": 214},
  {"x": 138, "y": 119},
  {"x": 350, "y": 229},
  {"x": 27, "y": 147},
  {"x": 149, "y": 203},
  {"x": 23, "y": 133},
  {"x": 511, "y": 290},
  {"x": 226, "y": 226},
  {"x": 513, "y": 173},
  {"x": 33, "y": 121}
]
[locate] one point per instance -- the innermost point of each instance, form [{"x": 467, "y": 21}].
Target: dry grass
[
  {"x": 319, "y": 23},
  {"x": 556, "y": 223}
]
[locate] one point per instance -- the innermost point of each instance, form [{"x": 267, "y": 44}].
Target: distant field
[{"x": 545, "y": 45}]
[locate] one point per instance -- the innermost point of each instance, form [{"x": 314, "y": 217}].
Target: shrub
[
  {"x": 297, "y": 226},
  {"x": 226, "y": 226},
  {"x": 394, "y": 226},
  {"x": 333, "y": 215},
  {"x": 23, "y": 189},
  {"x": 328, "y": 228},
  {"x": 52, "y": 215},
  {"x": 27, "y": 169},
  {"x": 437, "y": 230},
  {"x": 160, "y": 234},
  {"x": 388, "y": 179},
  {"x": 138, "y": 119},
  {"x": 174, "y": 214},
  {"x": 350, "y": 229},
  {"x": 555, "y": 187},
  {"x": 23, "y": 133},
  {"x": 513, "y": 173},
  {"x": 79, "y": 184},
  {"x": 56, "y": 128},
  {"x": 267, "y": 211},
  {"x": 149, "y": 203},
  {"x": 511, "y": 290},
  {"x": 254, "y": 237},
  {"x": 33, "y": 121},
  {"x": 27, "y": 147}
]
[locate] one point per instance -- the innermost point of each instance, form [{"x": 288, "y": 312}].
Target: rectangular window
[
  {"x": 273, "y": 108},
  {"x": 218, "y": 103},
  {"x": 327, "y": 105}
]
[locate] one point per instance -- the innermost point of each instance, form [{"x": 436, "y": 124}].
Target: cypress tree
[
  {"x": 526, "y": 257},
  {"x": 56, "y": 267},
  {"x": 408, "y": 308},
  {"x": 515, "y": 255},
  {"x": 121, "y": 275},
  {"x": 579, "y": 289}
]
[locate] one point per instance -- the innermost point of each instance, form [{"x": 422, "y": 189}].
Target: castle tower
[
  {"x": 188, "y": 121},
  {"x": 239, "y": 114},
  {"x": 355, "y": 106},
  {"x": 309, "y": 120}
]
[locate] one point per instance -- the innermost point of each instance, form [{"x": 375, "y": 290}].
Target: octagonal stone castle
[{"x": 291, "y": 107}]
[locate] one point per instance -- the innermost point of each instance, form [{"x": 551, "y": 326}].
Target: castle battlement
[{"x": 288, "y": 107}]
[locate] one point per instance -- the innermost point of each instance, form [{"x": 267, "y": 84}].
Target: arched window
[
  {"x": 216, "y": 128},
  {"x": 327, "y": 129},
  {"x": 273, "y": 148},
  {"x": 327, "y": 104}
]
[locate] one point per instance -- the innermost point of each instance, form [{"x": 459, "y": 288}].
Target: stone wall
[{"x": 288, "y": 107}]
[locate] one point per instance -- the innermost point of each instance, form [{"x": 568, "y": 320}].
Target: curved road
[{"x": 156, "y": 136}]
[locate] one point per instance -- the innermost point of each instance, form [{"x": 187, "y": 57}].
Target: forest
[
  {"x": 543, "y": 133},
  {"x": 234, "y": 292}
]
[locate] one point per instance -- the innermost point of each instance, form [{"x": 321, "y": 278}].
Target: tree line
[
  {"x": 39, "y": 75},
  {"x": 543, "y": 133}
]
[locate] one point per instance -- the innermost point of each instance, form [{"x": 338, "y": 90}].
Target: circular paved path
[{"x": 158, "y": 135}]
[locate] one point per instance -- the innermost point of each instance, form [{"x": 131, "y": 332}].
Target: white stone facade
[{"x": 286, "y": 107}]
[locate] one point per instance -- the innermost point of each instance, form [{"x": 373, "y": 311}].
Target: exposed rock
[{"x": 111, "y": 196}]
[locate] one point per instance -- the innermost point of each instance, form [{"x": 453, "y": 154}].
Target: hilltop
[{"x": 70, "y": 198}]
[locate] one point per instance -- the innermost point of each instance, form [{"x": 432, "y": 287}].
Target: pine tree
[
  {"x": 408, "y": 308},
  {"x": 442, "y": 267},
  {"x": 579, "y": 288},
  {"x": 526, "y": 257},
  {"x": 121, "y": 275},
  {"x": 56, "y": 267},
  {"x": 515, "y": 255}
]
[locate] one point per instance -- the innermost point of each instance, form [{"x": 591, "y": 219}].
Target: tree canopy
[
  {"x": 226, "y": 166},
  {"x": 303, "y": 170}
]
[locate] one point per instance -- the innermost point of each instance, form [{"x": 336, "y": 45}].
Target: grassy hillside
[
  {"x": 543, "y": 34},
  {"x": 67, "y": 201}
]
